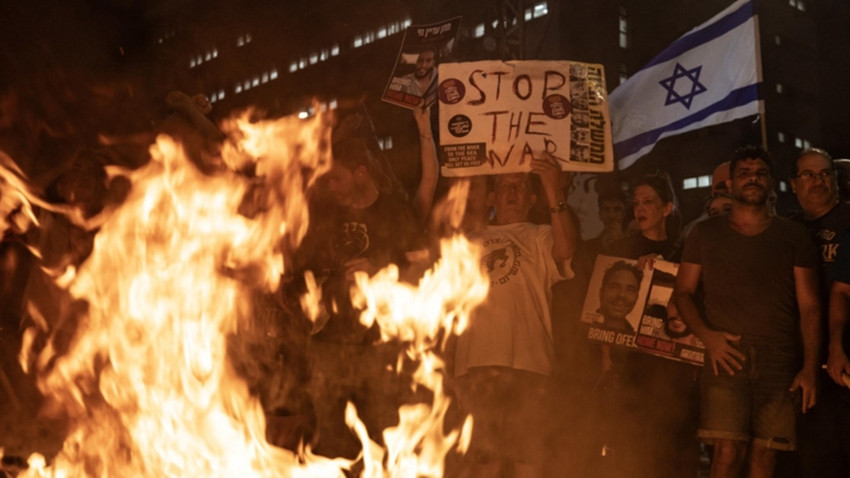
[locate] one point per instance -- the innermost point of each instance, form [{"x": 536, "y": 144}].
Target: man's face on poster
[
  {"x": 618, "y": 295},
  {"x": 425, "y": 64}
]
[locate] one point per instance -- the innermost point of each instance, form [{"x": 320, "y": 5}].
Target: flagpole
[{"x": 760, "y": 77}]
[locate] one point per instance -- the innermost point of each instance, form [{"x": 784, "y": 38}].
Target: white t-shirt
[{"x": 513, "y": 327}]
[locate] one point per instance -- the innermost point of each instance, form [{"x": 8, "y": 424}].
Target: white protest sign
[{"x": 495, "y": 116}]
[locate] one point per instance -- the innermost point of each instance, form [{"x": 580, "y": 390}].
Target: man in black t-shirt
[
  {"x": 759, "y": 276},
  {"x": 824, "y": 437}
]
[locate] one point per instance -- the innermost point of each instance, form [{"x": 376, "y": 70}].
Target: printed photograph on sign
[
  {"x": 661, "y": 330},
  {"x": 616, "y": 297},
  {"x": 413, "y": 82},
  {"x": 496, "y": 116}
]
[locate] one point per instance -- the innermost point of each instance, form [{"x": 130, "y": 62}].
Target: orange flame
[{"x": 146, "y": 379}]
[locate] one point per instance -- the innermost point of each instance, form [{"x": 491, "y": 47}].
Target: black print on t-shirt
[
  {"x": 502, "y": 261},
  {"x": 354, "y": 240}
]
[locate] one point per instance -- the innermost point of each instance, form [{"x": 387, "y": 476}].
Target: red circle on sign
[
  {"x": 556, "y": 106},
  {"x": 451, "y": 91}
]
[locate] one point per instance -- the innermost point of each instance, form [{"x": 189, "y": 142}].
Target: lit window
[
  {"x": 265, "y": 78},
  {"x": 370, "y": 37},
  {"x": 358, "y": 41},
  {"x": 238, "y": 89},
  {"x": 256, "y": 81},
  {"x": 293, "y": 67},
  {"x": 159, "y": 40},
  {"x": 335, "y": 50},
  {"x": 246, "y": 85},
  {"x": 220, "y": 94},
  {"x": 801, "y": 6},
  {"x": 624, "y": 29},
  {"x": 273, "y": 74},
  {"x": 198, "y": 60},
  {"x": 302, "y": 63},
  {"x": 212, "y": 99},
  {"x": 323, "y": 55},
  {"x": 479, "y": 31},
  {"x": 406, "y": 23},
  {"x": 783, "y": 186},
  {"x": 528, "y": 14},
  {"x": 689, "y": 183},
  {"x": 192, "y": 63},
  {"x": 806, "y": 144},
  {"x": 779, "y": 88},
  {"x": 215, "y": 53},
  {"x": 793, "y": 3},
  {"x": 240, "y": 41},
  {"x": 248, "y": 38},
  {"x": 623, "y": 78},
  {"x": 798, "y": 142},
  {"x": 777, "y": 40},
  {"x": 333, "y": 104},
  {"x": 704, "y": 181},
  {"x": 393, "y": 28},
  {"x": 381, "y": 143},
  {"x": 780, "y": 136},
  {"x": 496, "y": 23},
  {"x": 382, "y": 32},
  {"x": 541, "y": 9},
  {"x": 388, "y": 142},
  {"x": 314, "y": 58}
]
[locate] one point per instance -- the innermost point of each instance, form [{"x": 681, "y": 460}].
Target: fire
[{"x": 146, "y": 378}]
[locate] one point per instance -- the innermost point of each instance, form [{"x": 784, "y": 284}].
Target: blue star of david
[{"x": 669, "y": 84}]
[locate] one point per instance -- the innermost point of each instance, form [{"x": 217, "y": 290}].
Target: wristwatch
[{"x": 560, "y": 207}]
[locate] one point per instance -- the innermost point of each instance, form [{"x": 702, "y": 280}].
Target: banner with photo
[
  {"x": 661, "y": 330},
  {"x": 495, "y": 116},
  {"x": 630, "y": 307},
  {"x": 413, "y": 81}
]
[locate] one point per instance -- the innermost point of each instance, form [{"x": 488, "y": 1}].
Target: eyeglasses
[{"x": 824, "y": 175}]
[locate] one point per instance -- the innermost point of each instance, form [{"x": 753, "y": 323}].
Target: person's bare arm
[
  {"x": 720, "y": 351},
  {"x": 424, "y": 199},
  {"x": 808, "y": 301},
  {"x": 564, "y": 235},
  {"x": 839, "y": 309}
]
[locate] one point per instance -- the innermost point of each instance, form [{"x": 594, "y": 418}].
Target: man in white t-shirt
[{"x": 504, "y": 359}]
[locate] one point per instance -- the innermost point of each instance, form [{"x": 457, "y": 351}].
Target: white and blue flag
[{"x": 708, "y": 76}]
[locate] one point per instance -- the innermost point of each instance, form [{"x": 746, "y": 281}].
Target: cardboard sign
[{"x": 495, "y": 116}]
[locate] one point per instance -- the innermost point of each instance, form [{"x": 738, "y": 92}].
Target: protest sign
[
  {"x": 661, "y": 330},
  {"x": 496, "y": 116},
  {"x": 413, "y": 81},
  {"x": 630, "y": 307},
  {"x": 615, "y": 300}
]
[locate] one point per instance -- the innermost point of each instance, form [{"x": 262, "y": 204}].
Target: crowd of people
[{"x": 768, "y": 296}]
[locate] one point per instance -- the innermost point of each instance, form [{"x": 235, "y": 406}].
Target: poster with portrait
[
  {"x": 661, "y": 330},
  {"x": 495, "y": 116},
  {"x": 413, "y": 81},
  {"x": 616, "y": 297}
]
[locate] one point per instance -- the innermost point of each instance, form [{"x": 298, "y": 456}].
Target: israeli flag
[{"x": 708, "y": 76}]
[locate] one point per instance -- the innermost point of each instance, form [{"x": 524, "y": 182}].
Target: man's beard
[
  {"x": 750, "y": 199},
  {"x": 424, "y": 75}
]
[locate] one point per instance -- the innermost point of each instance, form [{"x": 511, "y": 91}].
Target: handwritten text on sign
[{"x": 496, "y": 116}]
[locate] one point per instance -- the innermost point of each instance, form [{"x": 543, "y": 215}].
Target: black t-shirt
[
  {"x": 636, "y": 245},
  {"x": 827, "y": 232},
  {"x": 382, "y": 233},
  {"x": 749, "y": 280}
]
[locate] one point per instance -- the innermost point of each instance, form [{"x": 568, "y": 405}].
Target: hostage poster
[
  {"x": 413, "y": 81},
  {"x": 661, "y": 331},
  {"x": 632, "y": 307},
  {"x": 495, "y": 116}
]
